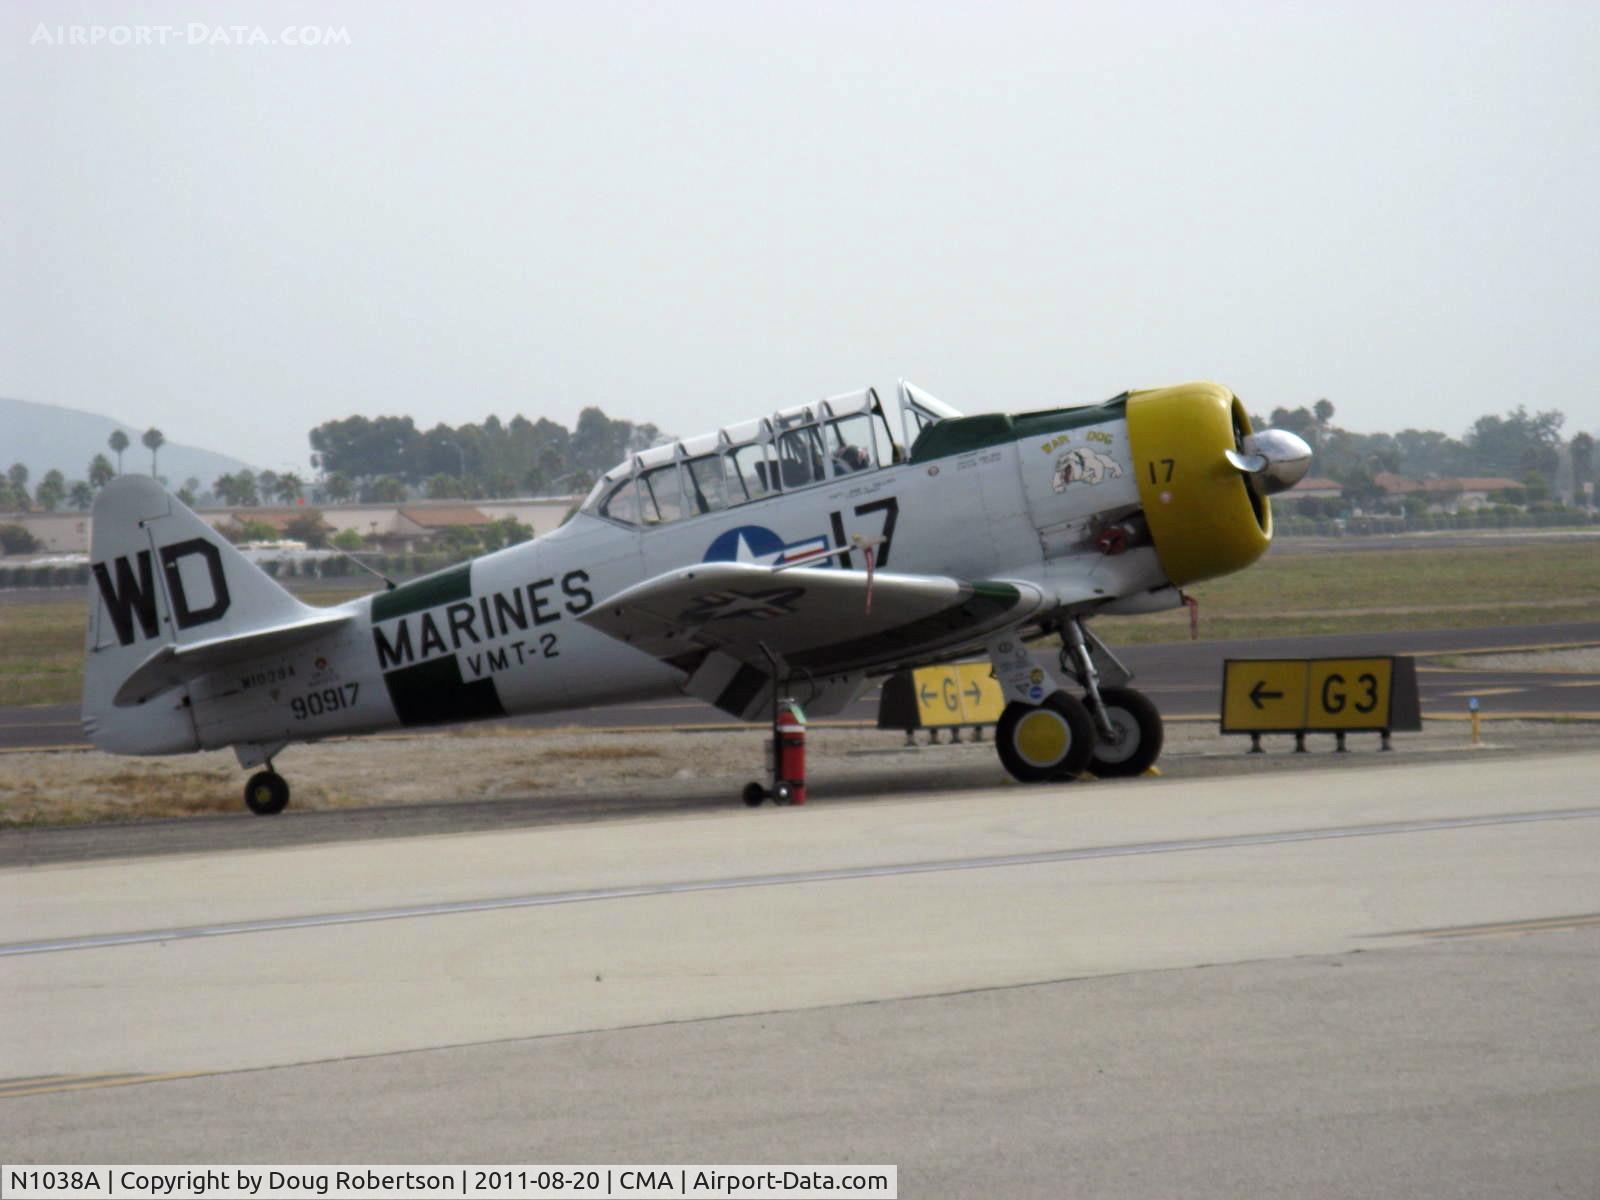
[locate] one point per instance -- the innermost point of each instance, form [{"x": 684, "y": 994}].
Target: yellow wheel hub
[{"x": 1042, "y": 738}]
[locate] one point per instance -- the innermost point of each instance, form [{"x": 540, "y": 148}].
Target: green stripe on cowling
[
  {"x": 433, "y": 693},
  {"x": 959, "y": 435},
  {"x": 452, "y": 583},
  {"x": 1056, "y": 420},
  {"x": 986, "y": 601}
]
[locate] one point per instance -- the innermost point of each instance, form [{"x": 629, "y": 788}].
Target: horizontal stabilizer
[{"x": 173, "y": 664}]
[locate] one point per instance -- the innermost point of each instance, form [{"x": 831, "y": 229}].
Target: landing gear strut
[
  {"x": 1127, "y": 724},
  {"x": 267, "y": 793}
]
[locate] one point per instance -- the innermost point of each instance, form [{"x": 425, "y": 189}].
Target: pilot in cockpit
[{"x": 849, "y": 459}]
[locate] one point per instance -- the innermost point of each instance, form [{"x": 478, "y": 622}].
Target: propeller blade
[{"x": 1250, "y": 464}]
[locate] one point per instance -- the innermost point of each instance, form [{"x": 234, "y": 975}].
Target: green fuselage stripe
[
  {"x": 434, "y": 693},
  {"x": 442, "y": 587}
]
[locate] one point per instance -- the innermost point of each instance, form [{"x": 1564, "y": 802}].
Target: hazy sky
[{"x": 691, "y": 213}]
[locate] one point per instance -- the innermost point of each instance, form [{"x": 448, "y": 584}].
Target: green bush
[{"x": 14, "y": 539}]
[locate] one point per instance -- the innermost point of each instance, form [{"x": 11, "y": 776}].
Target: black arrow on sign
[
  {"x": 974, "y": 691},
  {"x": 927, "y": 696},
  {"x": 1257, "y": 695}
]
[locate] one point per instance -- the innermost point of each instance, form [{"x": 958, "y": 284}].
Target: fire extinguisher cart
[{"x": 786, "y": 758}]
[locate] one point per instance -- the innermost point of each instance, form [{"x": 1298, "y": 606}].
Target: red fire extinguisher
[{"x": 789, "y": 773}]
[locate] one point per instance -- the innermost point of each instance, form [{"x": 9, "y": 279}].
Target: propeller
[
  {"x": 1248, "y": 463},
  {"x": 1273, "y": 460}
]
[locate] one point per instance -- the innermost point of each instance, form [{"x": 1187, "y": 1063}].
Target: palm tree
[
  {"x": 118, "y": 441},
  {"x": 52, "y": 490},
  {"x": 237, "y": 490},
  {"x": 337, "y": 487},
  {"x": 17, "y": 477},
  {"x": 80, "y": 494},
  {"x": 153, "y": 440},
  {"x": 290, "y": 487},
  {"x": 100, "y": 472}
]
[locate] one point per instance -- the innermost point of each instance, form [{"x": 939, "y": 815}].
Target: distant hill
[{"x": 44, "y": 436}]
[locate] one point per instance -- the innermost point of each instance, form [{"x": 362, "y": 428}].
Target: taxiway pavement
[{"x": 1324, "y": 983}]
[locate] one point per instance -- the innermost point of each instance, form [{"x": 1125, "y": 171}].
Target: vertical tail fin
[{"x": 160, "y": 576}]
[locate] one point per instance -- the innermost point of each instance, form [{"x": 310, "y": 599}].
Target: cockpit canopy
[{"x": 793, "y": 449}]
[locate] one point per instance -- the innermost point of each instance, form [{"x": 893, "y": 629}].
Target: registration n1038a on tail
[{"x": 807, "y": 552}]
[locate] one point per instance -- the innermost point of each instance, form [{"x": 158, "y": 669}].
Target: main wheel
[
  {"x": 754, "y": 794},
  {"x": 1052, "y": 740},
  {"x": 1139, "y": 734},
  {"x": 267, "y": 793}
]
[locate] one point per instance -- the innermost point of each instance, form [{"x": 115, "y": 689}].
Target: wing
[{"x": 813, "y": 620}]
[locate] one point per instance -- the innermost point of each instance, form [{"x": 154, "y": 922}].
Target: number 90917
[{"x": 324, "y": 700}]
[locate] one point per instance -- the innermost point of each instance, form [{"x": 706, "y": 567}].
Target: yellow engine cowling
[{"x": 1204, "y": 519}]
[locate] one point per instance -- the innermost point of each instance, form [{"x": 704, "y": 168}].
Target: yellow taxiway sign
[
  {"x": 1349, "y": 693},
  {"x": 1264, "y": 695}
]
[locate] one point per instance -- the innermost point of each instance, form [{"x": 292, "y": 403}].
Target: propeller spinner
[{"x": 1274, "y": 459}]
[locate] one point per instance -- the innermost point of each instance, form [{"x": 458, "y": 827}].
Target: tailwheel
[
  {"x": 1137, "y": 726},
  {"x": 267, "y": 793},
  {"x": 1052, "y": 740}
]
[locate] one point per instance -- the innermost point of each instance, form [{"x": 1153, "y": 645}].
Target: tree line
[
  {"x": 53, "y": 489},
  {"x": 1518, "y": 445},
  {"x": 388, "y": 458}
]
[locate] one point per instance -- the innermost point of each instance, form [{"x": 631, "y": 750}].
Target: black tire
[
  {"x": 754, "y": 794},
  {"x": 1052, "y": 740},
  {"x": 1136, "y": 718},
  {"x": 267, "y": 794}
]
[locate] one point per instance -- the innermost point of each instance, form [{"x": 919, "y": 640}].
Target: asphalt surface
[
  {"x": 1184, "y": 679},
  {"x": 1372, "y": 983}
]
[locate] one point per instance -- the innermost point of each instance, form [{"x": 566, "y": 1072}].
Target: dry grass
[
  {"x": 1381, "y": 591},
  {"x": 1556, "y": 662},
  {"x": 141, "y": 792},
  {"x": 1495, "y": 575},
  {"x": 600, "y": 752},
  {"x": 41, "y": 652},
  {"x": 44, "y": 788}
]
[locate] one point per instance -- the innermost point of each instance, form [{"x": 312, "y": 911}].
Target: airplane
[{"x": 808, "y": 553}]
